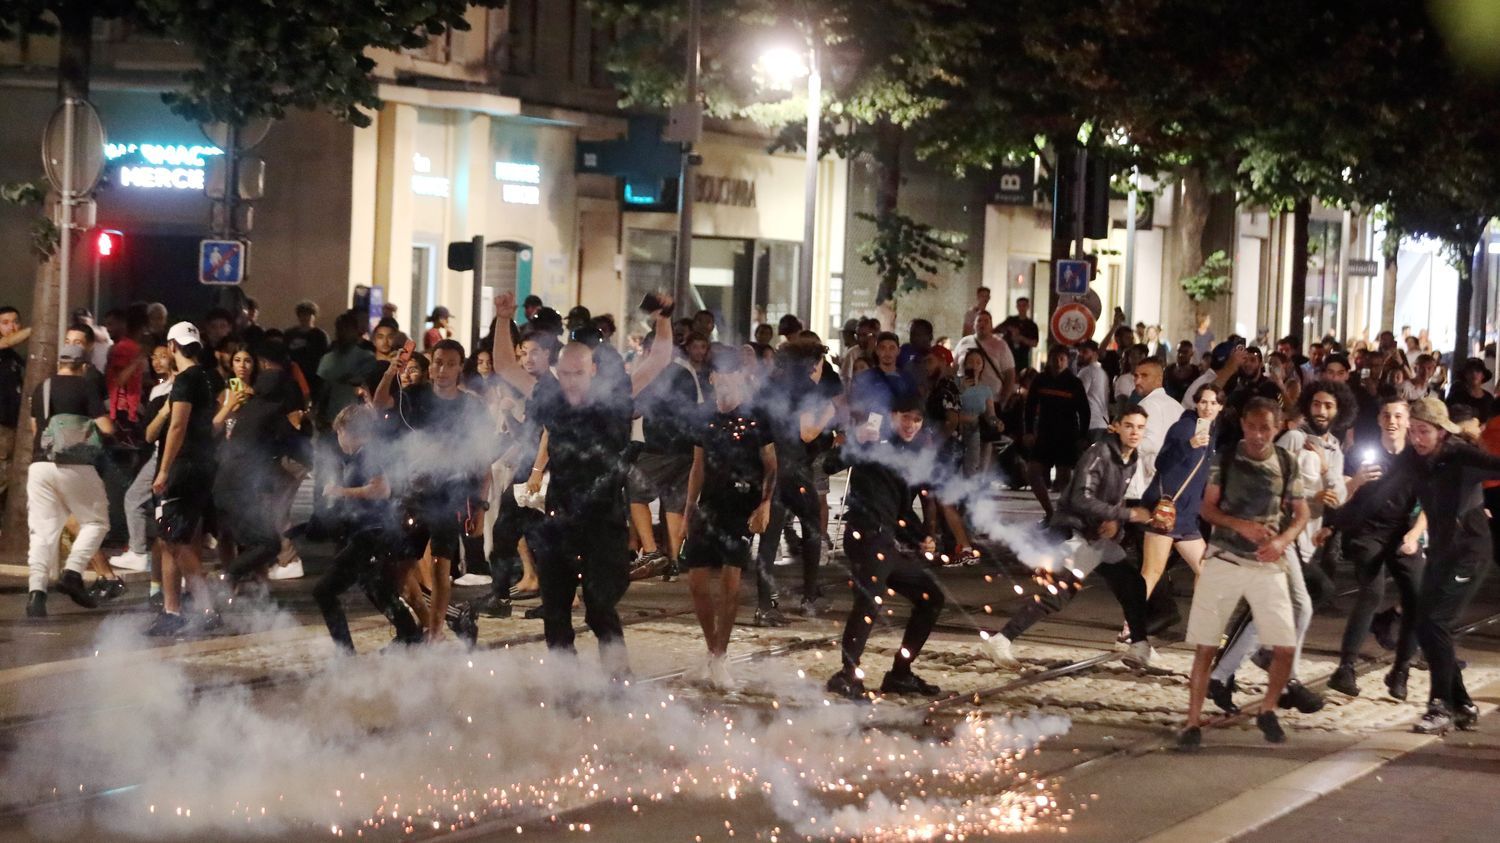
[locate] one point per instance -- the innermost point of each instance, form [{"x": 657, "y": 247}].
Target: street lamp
[{"x": 781, "y": 67}]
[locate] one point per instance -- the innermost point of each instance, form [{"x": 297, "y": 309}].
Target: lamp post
[{"x": 782, "y": 67}]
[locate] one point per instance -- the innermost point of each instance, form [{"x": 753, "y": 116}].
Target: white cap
[{"x": 184, "y": 333}]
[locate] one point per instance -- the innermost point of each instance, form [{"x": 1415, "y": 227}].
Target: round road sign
[{"x": 1072, "y": 324}]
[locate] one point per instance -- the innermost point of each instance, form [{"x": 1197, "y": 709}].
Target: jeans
[
  {"x": 138, "y": 506},
  {"x": 1371, "y": 560},
  {"x": 1244, "y": 640},
  {"x": 53, "y": 492},
  {"x": 879, "y": 566}
]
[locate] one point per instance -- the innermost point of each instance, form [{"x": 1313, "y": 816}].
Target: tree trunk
[
  {"x": 1463, "y": 343},
  {"x": 74, "y": 59},
  {"x": 1297, "y": 323},
  {"x": 1391, "y": 249},
  {"x": 888, "y": 142},
  {"x": 1188, "y": 224}
]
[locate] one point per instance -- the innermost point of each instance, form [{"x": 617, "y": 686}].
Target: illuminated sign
[
  {"x": 423, "y": 184},
  {"x": 519, "y": 182},
  {"x": 160, "y": 166}
]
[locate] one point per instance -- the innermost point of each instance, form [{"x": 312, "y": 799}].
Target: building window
[
  {"x": 520, "y": 38},
  {"x": 438, "y": 49}
]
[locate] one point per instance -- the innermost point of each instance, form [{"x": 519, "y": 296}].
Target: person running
[
  {"x": 736, "y": 449},
  {"x": 68, "y": 416},
  {"x": 183, "y": 484},
  {"x": 1255, "y": 502},
  {"x": 1056, "y": 420},
  {"x": 1379, "y": 535},
  {"x": 890, "y": 552},
  {"x": 1182, "y": 468},
  {"x": 1448, "y": 474},
  {"x": 1091, "y": 516}
]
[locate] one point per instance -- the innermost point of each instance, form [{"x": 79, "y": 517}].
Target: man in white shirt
[
  {"x": 982, "y": 296},
  {"x": 999, "y": 372},
  {"x": 1095, "y": 386},
  {"x": 1162, "y": 411}
]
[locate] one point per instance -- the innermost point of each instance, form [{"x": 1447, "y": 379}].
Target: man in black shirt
[
  {"x": 307, "y": 343},
  {"x": 736, "y": 449},
  {"x": 890, "y": 551},
  {"x": 62, "y": 482},
  {"x": 1056, "y": 419},
  {"x": 671, "y": 410},
  {"x": 1022, "y": 333},
  {"x": 184, "y": 481}
]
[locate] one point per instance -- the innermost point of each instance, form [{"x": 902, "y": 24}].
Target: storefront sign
[
  {"x": 719, "y": 190},
  {"x": 1015, "y": 185},
  {"x": 1359, "y": 268},
  {"x": 424, "y": 184},
  {"x": 519, "y": 183},
  {"x": 160, "y": 166}
]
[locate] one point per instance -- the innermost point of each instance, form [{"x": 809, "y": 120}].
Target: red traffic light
[{"x": 107, "y": 243}]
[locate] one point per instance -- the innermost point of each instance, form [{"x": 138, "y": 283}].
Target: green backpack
[{"x": 68, "y": 438}]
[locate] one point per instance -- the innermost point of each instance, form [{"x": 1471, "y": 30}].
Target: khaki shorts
[{"x": 1221, "y": 587}]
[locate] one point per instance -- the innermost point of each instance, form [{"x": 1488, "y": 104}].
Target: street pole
[
  {"x": 1080, "y": 194},
  {"x": 810, "y": 189},
  {"x": 1130, "y": 213},
  {"x": 682, "y": 293},
  {"x": 65, "y": 226}
]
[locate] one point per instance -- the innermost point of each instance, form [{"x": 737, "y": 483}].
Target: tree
[{"x": 257, "y": 58}]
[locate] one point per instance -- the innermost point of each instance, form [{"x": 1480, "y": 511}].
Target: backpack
[{"x": 68, "y": 438}]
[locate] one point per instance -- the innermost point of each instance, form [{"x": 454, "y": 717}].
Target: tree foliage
[{"x": 907, "y": 251}]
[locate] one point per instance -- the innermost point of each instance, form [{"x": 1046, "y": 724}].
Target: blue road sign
[
  {"x": 222, "y": 261},
  {"x": 1071, "y": 278}
]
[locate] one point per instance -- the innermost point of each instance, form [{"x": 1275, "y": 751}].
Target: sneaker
[
  {"x": 131, "y": 561},
  {"x": 470, "y": 580},
  {"x": 36, "y": 604},
  {"x": 672, "y": 572},
  {"x": 908, "y": 683},
  {"x": 770, "y": 617},
  {"x": 210, "y": 621},
  {"x": 1395, "y": 683},
  {"x": 1300, "y": 697},
  {"x": 533, "y": 614},
  {"x": 1466, "y": 718},
  {"x": 997, "y": 648},
  {"x": 648, "y": 565},
  {"x": 464, "y": 624},
  {"x": 106, "y": 589},
  {"x": 166, "y": 625},
  {"x": 525, "y": 594},
  {"x": 1437, "y": 720},
  {"x": 156, "y": 601},
  {"x": 718, "y": 673},
  {"x": 1190, "y": 740},
  {"x": 845, "y": 684},
  {"x": 1140, "y": 655},
  {"x": 1222, "y": 693},
  {"x": 290, "y": 571},
  {"x": 1343, "y": 680},
  {"x": 1270, "y": 727},
  {"x": 493, "y": 606},
  {"x": 71, "y": 584}
]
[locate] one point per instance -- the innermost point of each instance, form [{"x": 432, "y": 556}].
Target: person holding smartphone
[{"x": 1181, "y": 475}]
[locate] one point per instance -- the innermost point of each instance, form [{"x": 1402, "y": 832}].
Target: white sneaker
[
  {"x": 1140, "y": 655},
  {"x": 131, "y": 561},
  {"x": 291, "y": 571},
  {"x": 718, "y": 673},
  {"x": 997, "y": 648},
  {"x": 473, "y": 579}
]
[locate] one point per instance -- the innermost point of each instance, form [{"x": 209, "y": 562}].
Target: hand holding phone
[
  {"x": 654, "y": 303},
  {"x": 404, "y": 355}
]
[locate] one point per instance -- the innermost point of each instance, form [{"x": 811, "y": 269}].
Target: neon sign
[{"x": 161, "y": 166}]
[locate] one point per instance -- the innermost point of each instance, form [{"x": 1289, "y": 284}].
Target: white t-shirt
[
  {"x": 999, "y": 352},
  {"x": 1096, "y": 387}
]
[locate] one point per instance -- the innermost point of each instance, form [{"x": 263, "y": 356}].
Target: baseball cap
[
  {"x": 71, "y": 352},
  {"x": 184, "y": 333},
  {"x": 1221, "y": 353},
  {"x": 1434, "y": 412}
]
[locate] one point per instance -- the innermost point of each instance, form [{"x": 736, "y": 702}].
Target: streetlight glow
[{"x": 782, "y": 67}]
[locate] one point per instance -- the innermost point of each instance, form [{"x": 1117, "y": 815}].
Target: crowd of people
[{"x": 531, "y": 464}]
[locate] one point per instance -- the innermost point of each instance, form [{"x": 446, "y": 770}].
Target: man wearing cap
[
  {"x": 62, "y": 481},
  {"x": 184, "y": 482},
  {"x": 1448, "y": 474},
  {"x": 1224, "y": 363}
]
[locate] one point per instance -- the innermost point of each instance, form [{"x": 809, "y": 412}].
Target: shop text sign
[
  {"x": 520, "y": 184},
  {"x": 721, "y": 190},
  {"x": 158, "y": 166}
]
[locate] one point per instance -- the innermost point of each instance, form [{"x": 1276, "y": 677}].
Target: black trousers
[
  {"x": 1124, "y": 581},
  {"x": 878, "y": 567},
  {"x": 594, "y": 553},
  {"x": 1447, "y": 584},
  {"x": 370, "y": 558},
  {"x": 1371, "y": 560},
  {"x": 251, "y": 518},
  {"x": 795, "y": 496},
  {"x": 512, "y": 523}
]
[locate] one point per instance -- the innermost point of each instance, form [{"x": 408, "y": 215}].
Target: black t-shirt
[
  {"x": 195, "y": 387},
  {"x": 70, "y": 394},
  {"x": 12, "y": 373},
  {"x": 586, "y": 447},
  {"x": 671, "y": 410},
  {"x": 1025, "y": 328},
  {"x": 732, "y": 470},
  {"x": 359, "y": 469},
  {"x": 255, "y": 436},
  {"x": 448, "y": 443},
  {"x": 306, "y": 347}
]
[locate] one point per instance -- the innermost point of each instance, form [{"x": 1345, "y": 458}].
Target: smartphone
[
  {"x": 406, "y": 351},
  {"x": 873, "y": 422},
  {"x": 236, "y": 385},
  {"x": 651, "y": 304},
  {"x": 1203, "y": 427}
]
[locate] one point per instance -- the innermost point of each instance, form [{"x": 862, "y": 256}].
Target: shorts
[
  {"x": 1055, "y": 453},
  {"x": 710, "y": 545},
  {"x": 1221, "y": 587},
  {"x": 662, "y": 476},
  {"x": 186, "y": 502}
]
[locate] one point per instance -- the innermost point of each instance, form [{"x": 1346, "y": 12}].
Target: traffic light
[{"x": 107, "y": 243}]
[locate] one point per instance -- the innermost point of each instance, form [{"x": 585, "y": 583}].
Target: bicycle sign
[{"x": 1072, "y": 324}]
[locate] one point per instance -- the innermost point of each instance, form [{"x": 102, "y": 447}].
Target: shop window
[
  {"x": 775, "y": 282},
  {"x": 650, "y": 266},
  {"x": 520, "y": 37}
]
